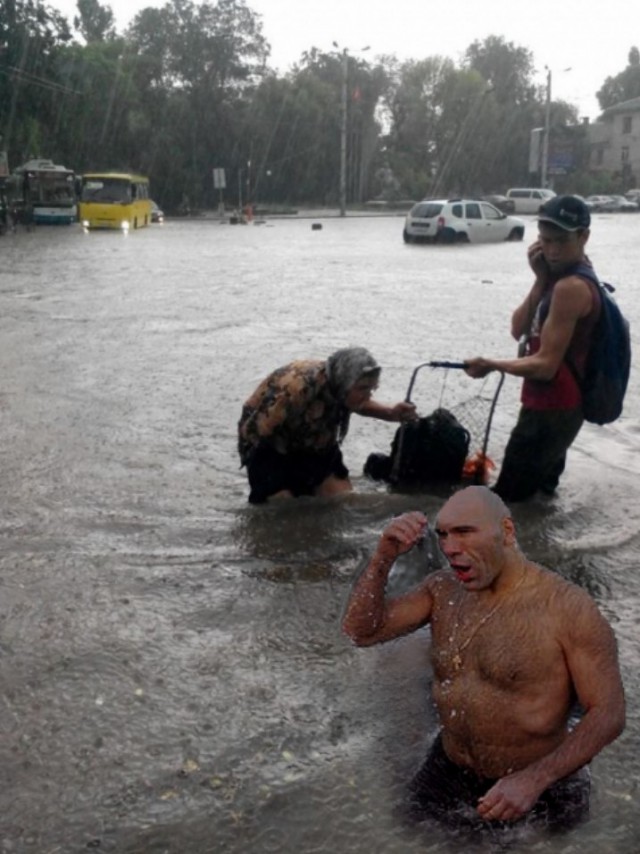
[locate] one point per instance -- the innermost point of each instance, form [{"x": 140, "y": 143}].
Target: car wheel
[
  {"x": 447, "y": 235},
  {"x": 407, "y": 237},
  {"x": 516, "y": 234},
  {"x": 462, "y": 237}
]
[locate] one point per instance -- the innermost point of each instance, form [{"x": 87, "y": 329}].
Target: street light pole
[
  {"x": 343, "y": 135},
  {"x": 343, "y": 129},
  {"x": 545, "y": 140}
]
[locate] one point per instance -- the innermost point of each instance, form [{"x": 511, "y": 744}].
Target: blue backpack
[{"x": 606, "y": 374}]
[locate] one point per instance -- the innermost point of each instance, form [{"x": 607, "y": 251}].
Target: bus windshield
[
  {"x": 106, "y": 190},
  {"x": 56, "y": 187}
]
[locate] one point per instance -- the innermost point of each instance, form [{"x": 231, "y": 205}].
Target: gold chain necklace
[{"x": 457, "y": 658}]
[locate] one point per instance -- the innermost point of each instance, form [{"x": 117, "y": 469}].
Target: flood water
[{"x": 173, "y": 675}]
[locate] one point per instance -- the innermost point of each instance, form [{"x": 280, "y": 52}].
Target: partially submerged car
[
  {"x": 460, "y": 221},
  {"x": 157, "y": 215}
]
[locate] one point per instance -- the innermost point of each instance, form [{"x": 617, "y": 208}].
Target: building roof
[{"x": 630, "y": 106}]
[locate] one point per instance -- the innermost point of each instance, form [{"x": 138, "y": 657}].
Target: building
[{"x": 614, "y": 141}]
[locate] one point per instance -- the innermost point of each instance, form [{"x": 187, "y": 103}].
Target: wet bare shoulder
[
  {"x": 441, "y": 584},
  {"x": 568, "y": 603}
]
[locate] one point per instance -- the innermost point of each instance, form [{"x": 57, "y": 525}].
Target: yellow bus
[{"x": 114, "y": 200}]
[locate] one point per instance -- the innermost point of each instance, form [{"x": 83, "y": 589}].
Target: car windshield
[{"x": 427, "y": 209}]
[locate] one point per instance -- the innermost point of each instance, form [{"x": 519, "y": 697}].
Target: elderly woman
[{"x": 291, "y": 427}]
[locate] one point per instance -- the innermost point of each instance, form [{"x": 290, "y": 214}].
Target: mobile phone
[{"x": 539, "y": 262}]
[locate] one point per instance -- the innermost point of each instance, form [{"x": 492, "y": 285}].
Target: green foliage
[
  {"x": 623, "y": 86},
  {"x": 462, "y": 130},
  {"x": 31, "y": 36},
  {"x": 186, "y": 89},
  {"x": 506, "y": 68},
  {"x": 94, "y": 21}
]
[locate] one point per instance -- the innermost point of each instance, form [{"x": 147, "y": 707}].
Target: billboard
[{"x": 535, "y": 149}]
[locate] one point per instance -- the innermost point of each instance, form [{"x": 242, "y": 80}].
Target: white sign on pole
[
  {"x": 535, "y": 148},
  {"x": 219, "y": 181}
]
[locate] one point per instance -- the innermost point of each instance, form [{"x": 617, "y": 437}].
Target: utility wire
[{"x": 28, "y": 77}]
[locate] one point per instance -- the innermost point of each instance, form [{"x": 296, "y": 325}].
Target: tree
[
  {"x": 31, "y": 36},
  {"x": 217, "y": 45},
  {"x": 187, "y": 88},
  {"x": 292, "y": 130},
  {"x": 203, "y": 61},
  {"x": 94, "y": 21},
  {"x": 623, "y": 86},
  {"x": 514, "y": 106},
  {"x": 505, "y": 67},
  {"x": 293, "y": 127},
  {"x": 447, "y": 129},
  {"x": 99, "y": 126},
  {"x": 412, "y": 107}
]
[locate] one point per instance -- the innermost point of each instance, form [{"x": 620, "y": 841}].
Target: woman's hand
[{"x": 404, "y": 412}]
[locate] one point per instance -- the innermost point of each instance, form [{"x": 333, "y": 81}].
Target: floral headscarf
[{"x": 345, "y": 367}]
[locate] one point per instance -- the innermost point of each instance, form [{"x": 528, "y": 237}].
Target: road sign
[{"x": 219, "y": 181}]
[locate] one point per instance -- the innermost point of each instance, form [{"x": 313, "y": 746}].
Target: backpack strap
[{"x": 585, "y": 271}]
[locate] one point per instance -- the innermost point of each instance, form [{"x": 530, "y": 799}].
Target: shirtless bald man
[{"x": 513, "y": 647}]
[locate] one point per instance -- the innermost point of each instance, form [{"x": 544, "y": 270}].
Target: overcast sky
[{"x": 593, "y": 40}]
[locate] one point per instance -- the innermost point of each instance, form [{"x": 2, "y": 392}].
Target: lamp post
[
  {"x": 343, "y": 135},
  {"x": 545, "y": 138},
  {"x": 343, "y": 128}
]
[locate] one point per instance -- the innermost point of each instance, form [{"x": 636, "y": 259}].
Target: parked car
[
  {"x": 586, "y": 201},
  {"x": 157, "y": 215},
  {"x": 503, "y": 204},
  {"x": 529, "y": 199},
  {"x": 633, "y": 196},
  {"x": 460, "y": 221},
  {"x": 625, "y": 205},
  {"x": 601, "y": 204}
]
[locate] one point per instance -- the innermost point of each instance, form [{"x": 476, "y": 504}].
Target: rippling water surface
[{"x": 173, "y": 677}]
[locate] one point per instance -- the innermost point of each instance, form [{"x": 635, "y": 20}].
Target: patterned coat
[{"x": 294, "y": 410}]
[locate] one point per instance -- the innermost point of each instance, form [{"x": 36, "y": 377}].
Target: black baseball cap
[{"x": 567, "y": 212}]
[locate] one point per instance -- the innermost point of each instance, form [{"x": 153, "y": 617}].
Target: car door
[
  {"x": 474, "y": 222},
  {"x": 495, "y": 222}
]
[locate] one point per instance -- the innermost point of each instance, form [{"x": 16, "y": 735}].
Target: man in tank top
[{"x": 556, "y": 321}]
